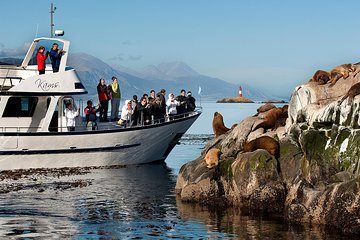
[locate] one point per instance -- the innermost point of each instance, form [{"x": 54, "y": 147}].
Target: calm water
[{"x": 136, "y": 202}]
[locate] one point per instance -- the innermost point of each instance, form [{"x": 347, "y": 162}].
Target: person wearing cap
[{"x": 190, "y": 102}]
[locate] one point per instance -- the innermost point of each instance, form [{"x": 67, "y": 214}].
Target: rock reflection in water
[{"x": 237, "y": 225}]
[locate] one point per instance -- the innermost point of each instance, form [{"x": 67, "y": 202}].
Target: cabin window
[{"x": 20, "y": 107}]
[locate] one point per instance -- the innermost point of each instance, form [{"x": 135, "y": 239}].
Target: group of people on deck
[
  {"x": 149, "y": 109},
  {"x": 144, "y": 112}
]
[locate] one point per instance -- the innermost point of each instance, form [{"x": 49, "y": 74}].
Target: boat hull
[{"x": 116, "y": 146}]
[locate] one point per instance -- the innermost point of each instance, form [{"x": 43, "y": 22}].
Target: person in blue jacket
[{"x": 55, "y": 57}]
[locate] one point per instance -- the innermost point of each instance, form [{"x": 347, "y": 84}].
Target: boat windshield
[{"x": 47, "y": 44}]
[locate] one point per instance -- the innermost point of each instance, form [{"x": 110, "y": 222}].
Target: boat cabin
[{"x": 30, "y": 102}]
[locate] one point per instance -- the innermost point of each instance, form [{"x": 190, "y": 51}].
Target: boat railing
[
  {"x": 102, "y": 125},
  {"x": 8, "y": 82}
]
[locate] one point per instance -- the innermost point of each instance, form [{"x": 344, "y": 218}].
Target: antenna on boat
[
  {"x": 52, "y": 11},
  {"x": 37, "y": 30}
]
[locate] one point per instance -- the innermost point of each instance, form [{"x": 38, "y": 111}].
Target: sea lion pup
[
  {"x": 341, "y": 71},
  {"x": 321, "y": 77},
  {"x": 353, "y": 91},
  {"x": 272, "y": 118},
  {"x": 212, "y": 157},
  {"x": 264, "y": 108},
  {"x": 218, "y": 125},
  {"x": 264, "y": 142}
]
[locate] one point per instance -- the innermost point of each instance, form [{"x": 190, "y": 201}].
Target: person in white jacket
[
  {"x": 70, "y": 115},
  {"x": 171, "y": 104}
]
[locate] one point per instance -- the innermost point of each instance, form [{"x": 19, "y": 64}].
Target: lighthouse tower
[{"x": 240, "y": 91}]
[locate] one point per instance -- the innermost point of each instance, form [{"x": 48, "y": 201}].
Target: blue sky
[{"x": 272, "y": 45}]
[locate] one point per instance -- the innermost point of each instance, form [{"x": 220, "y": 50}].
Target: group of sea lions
[
  {"x": 323, "y": 77},
  {"x": 342, "y": 71},
  {"x": 275, "y": 117}
]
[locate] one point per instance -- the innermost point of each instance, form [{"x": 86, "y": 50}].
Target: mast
[{"x": 52, "y": 11}]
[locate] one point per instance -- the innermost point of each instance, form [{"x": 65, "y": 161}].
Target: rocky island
[
  {"x": 315, "y": 177},
  {"x": 238, "y": 99}
]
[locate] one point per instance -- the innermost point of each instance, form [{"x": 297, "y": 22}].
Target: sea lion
[
  {"x": 274, "y": 118},
  {"x": 353, "y": 91},
  {"x": 218, "y": 125},
  {"x": 264, "y": 108},
  {"x": 321, "y": 77},
  {"x": 212, "y": 157},
  {"x": 263, "y": 142},
  {"x": 341, "y": 71}
]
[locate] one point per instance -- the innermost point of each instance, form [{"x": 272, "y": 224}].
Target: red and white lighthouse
[{"x": 240, "y": 91}]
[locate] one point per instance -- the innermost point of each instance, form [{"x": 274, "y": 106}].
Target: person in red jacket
[
  {"x": 41, "y": 57},
  {"x": 103, "y": 94}
]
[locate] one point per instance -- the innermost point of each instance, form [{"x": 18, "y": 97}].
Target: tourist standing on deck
[
  {"x": 90, "y": 115},
  {"x": 144, "y": 111},
  {"x": 126, "y": 114},
  {"x": 70, "y": 115},
  {"x": 190, "y": 103},
  {"x": 152, "y": 96},
  {"x": 103, "y": 95},
  {"x": 115, "y": 99},
  {"x": 55, "y": 57},
  {"x": 171, "y": 104},
  {"x": 41, "y": 57},
  {"x": 182, "y": 100}
]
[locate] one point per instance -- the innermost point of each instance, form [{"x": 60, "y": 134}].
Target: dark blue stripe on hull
[{"x": 68, "y": 150}]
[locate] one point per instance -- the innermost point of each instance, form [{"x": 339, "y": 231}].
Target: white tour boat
[{"x": 33, "y": 131}]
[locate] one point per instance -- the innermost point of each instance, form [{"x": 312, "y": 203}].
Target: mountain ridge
[{"x": 172, "y": 76}]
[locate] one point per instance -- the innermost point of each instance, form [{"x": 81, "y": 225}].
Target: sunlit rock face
[{"x": 315, "y": 179}]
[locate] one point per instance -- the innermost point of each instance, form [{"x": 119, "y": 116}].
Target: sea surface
[{"x": 135, "y": 202}]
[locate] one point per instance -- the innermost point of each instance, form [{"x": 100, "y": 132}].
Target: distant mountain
[
  {"x": 10, "y": 61},
  {"x": 177, "y": 69},
  {"x": 172, "y": 76},
  {"x": 179, "y": 76}
]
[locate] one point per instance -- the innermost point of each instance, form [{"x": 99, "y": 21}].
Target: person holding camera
[
  {"x": 70, "y": 115},
  {"x": 55, "y": 57},
  {"x": 182, "y": 99},
  {"x": 144, "y": 111},
  {"x": 41, "y": 57},
  {"x": 90, "y": 115},
  {"x": 172, "y": 104},
  {"x": 103, "y": 94}
]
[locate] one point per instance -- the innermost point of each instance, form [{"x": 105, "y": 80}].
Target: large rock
[{"x": 319, "y": 177}]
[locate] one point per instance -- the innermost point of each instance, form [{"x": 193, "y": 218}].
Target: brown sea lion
[
  {"x": 353, "y": 91},
  {"x": 218, "y": 125},
  {"x": 341, "y": 71},
  {"x": 321, "y": 77},
  {"x": 212, "y": 157},
  {"x": 264, "y": 142},
  {"x": 264, "y": 108},
  {"x": 274, "y": 118}
]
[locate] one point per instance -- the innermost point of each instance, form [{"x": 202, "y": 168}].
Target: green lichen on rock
[
  {"x": 259, "y": 161},
  {"x": 226, "y": 169}
]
